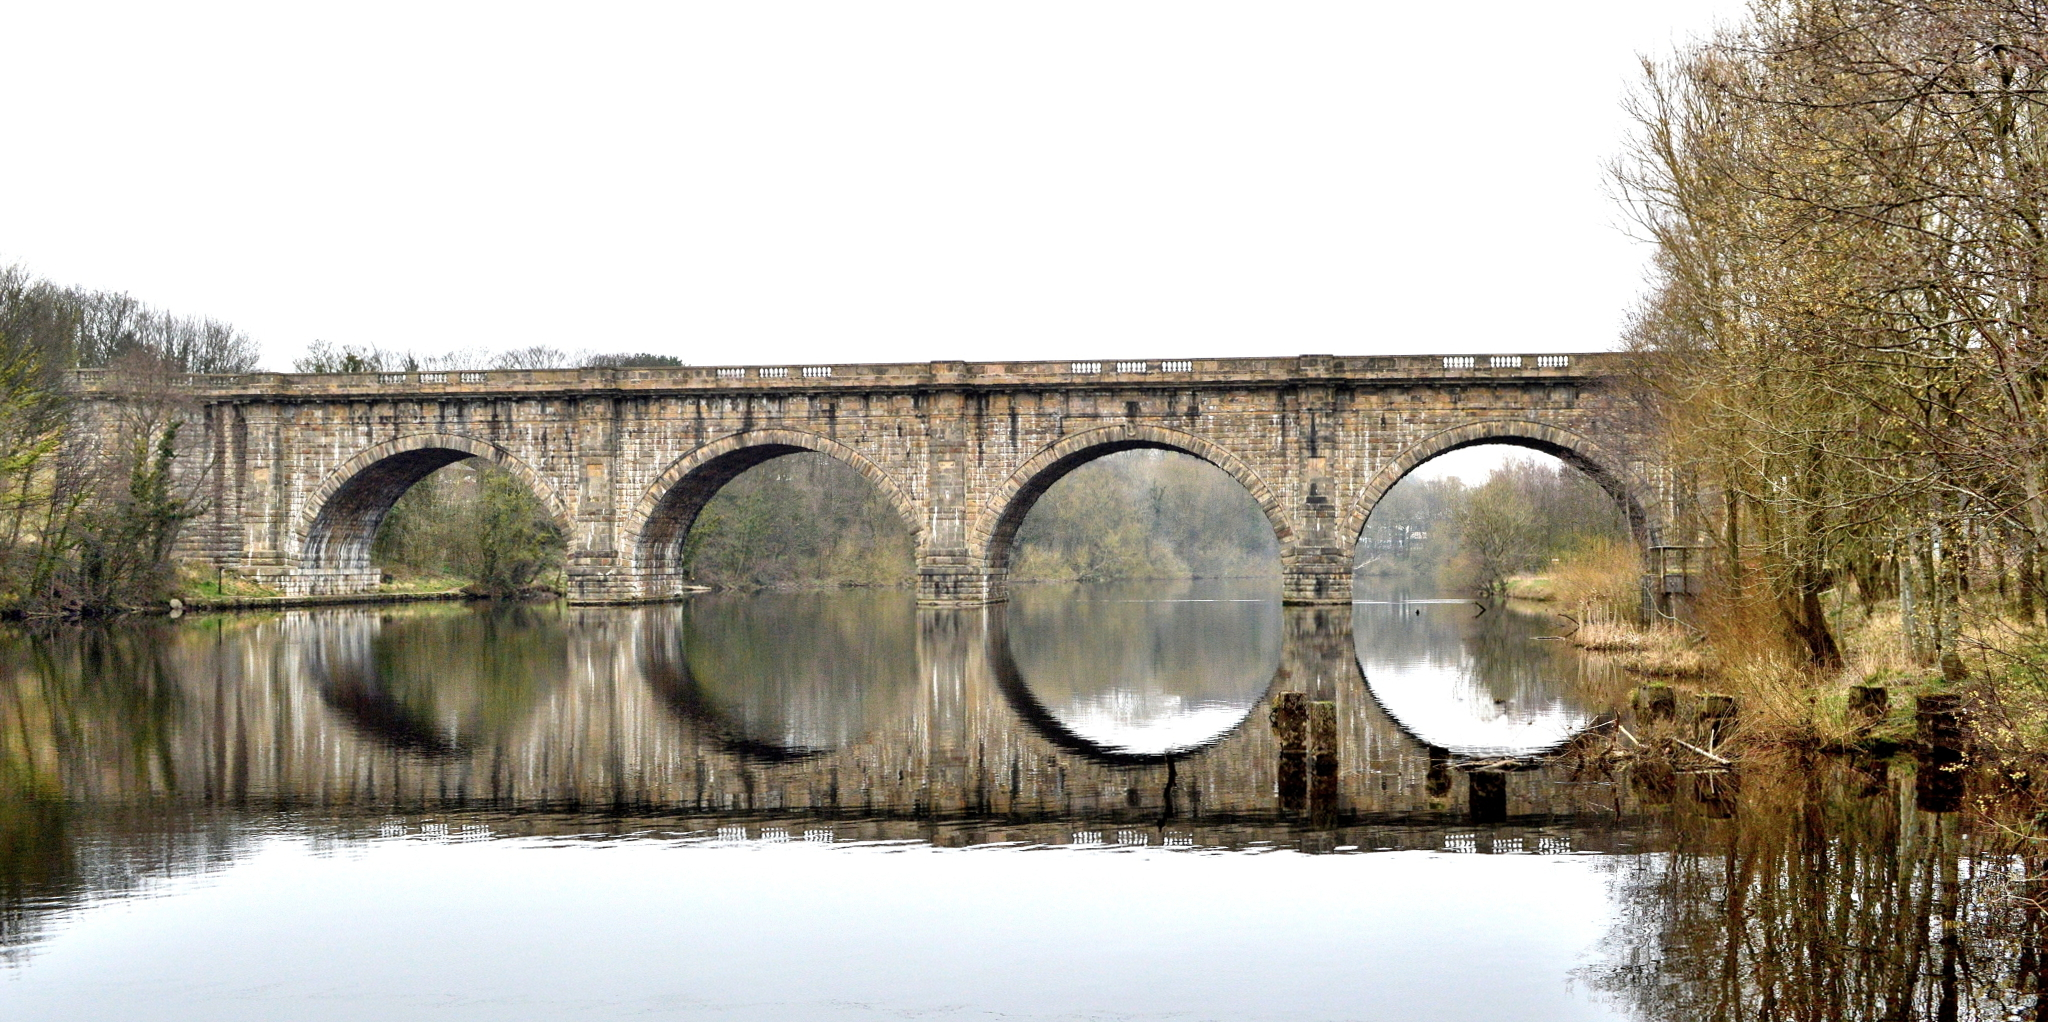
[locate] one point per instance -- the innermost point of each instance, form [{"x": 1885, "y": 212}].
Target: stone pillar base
[
  {"x": 591, "y": 587},
  {"x": 1316, "y": 586},
  {"x": 955, "y": 585},
  {"x": 322, "y": 581}
]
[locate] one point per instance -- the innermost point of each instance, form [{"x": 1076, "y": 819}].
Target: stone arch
[
  {"x": 995, "y": 531},
  {"x": 1601, "y": 466},
  {"x": 340, "y": 518},
  {"x": 670, "y": 505}
]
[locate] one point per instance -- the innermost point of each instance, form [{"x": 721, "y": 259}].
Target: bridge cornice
[{"x": 793, "y": 379}]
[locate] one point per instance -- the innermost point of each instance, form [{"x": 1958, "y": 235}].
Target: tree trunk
[{"x": 1808, "y": 622}]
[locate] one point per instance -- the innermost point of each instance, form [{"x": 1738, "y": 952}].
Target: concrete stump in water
[
  {"x": 1938, "y": 782},
  {"x": 1714, "y": 794},
  {"x": 1868, "y": 704},
  {"x": 1290, "y": 733},
  {"x": 1322, "y": 727},
  {"x": 1656, "y": 702},
  {"x": 1653, "y": 781},
  {"x": 1290, "y": 721},
  {"x": 1938, "y": 720}
]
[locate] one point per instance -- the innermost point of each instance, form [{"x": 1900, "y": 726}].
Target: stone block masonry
[{"x": 301, "y": 468}]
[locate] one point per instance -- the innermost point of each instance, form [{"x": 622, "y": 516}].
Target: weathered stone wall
[{"x": 300, "y": 468}]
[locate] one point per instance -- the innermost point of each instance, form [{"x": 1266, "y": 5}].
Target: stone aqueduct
[{"x": 301, "y": 468}]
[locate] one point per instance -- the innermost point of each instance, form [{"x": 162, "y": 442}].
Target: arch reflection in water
[
  {"x": 438, "y": 681},
  {"x": 1145, "y": 670},
  {"x": 785, "y": 675},
  {"x": 1476, "y": 684}
]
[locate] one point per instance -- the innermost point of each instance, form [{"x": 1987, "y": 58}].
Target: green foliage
[
  {"x": 475, "y": 522},
  {"x": 123, "y": 541},
  {"x": 800, "y": 519},
  {"x": 515, "y": 538}
]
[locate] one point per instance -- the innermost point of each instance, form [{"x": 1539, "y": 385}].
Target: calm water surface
[{"x": 836, "y": 806}]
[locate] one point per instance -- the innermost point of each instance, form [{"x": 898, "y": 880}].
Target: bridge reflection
[
  {"x": 489, "y": 669},
  {"x": 1144, "y": 716},
  {"x": 819, "y": 702},
  {"x": 1136, "y": 674},
  {"x": 1471, "y": 681},
  {"x": 782, "y": 677}
]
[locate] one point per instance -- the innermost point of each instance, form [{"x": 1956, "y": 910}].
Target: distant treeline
[
  {"x": 1525, "y": 516},
  {"x": 328, "y": 357},
  {"x": 808, "y": 519},
  {"x": 1145, "y": 514}
]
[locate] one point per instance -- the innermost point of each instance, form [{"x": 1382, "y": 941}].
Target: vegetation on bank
[
  {"x": 89, "y": 509},
  {"x": 1848, "y": 352},
  {"x": 471, "y": 526}
]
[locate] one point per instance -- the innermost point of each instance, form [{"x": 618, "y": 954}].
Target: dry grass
[
  {"x": 1612, "y": 637},
  {"x": 1601, "y": 583}
]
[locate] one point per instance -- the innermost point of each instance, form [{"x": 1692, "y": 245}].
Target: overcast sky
[{"x": 844, "y": 181}]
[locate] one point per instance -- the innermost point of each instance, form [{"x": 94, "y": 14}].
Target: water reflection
[
  {"x": 784, "y": 675},
  {"x": 159, "y": 757},
  {"x": 1823, "y": 893},
  {"x": 1142, "y": 671},
  {"x": 1476, "y": 681},
  {"x": 438, "y": 680}
]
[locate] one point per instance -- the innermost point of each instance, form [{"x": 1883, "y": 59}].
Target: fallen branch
[{"x": 1703, "y": 752}]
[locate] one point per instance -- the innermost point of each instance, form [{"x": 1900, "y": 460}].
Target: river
[{"x": 1161, "y": 801}]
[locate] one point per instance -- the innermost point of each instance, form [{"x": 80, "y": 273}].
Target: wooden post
[{"x": 1868, "y": 704}]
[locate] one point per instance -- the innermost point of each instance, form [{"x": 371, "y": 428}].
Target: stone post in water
[
  {"x": 1322, "y": 740},
  {"x": 1290, "y": 734}
]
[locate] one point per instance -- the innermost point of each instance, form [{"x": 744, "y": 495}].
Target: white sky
[{"x": 813, "y": 182}]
